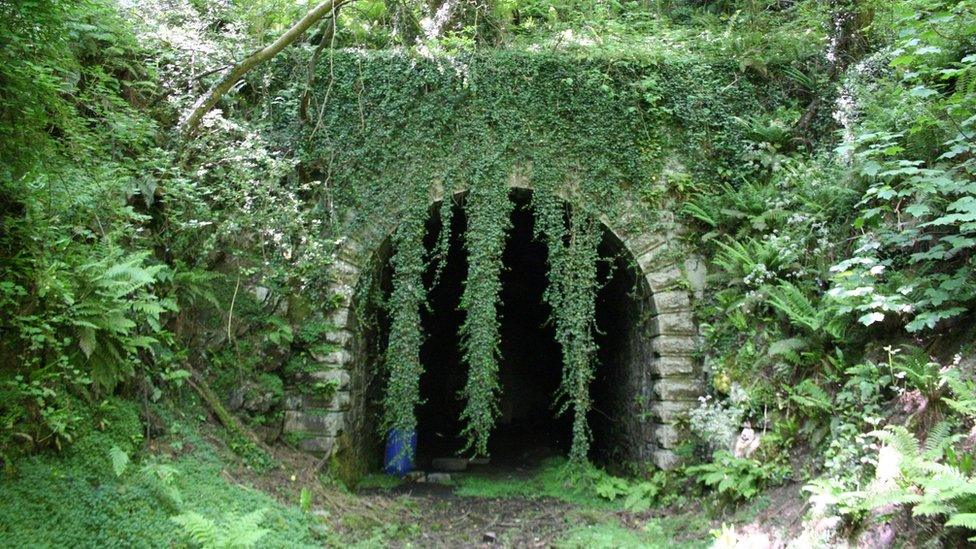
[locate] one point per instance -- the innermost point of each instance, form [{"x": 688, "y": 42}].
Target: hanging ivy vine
[
  {"x": 393, "y": 125},
  {"x": 572, "y": 236},
  {"x": 489, "y": 212},
  {"x": 402, "y": 356}
]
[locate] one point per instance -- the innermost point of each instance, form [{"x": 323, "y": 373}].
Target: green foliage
[
  {"x": 79, "y": 491},
  {"x": 489, "y": 213},
  {"x": 907, "y": 473},
  {"x": 605, "y": 535},
  {"x": 912, "y": 150},
  {"x": 120, "y": 460},
  {"x": 737, "y": 478},
  {"x": 234, "y": 531},
  {"x": 403, "y": 349}
]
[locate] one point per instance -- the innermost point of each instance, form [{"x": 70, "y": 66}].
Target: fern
[
  {"x": 236, "y": 531},
  {"x": 964, "y": 520},
  {"x": 164, "y": 476},
  {"x": 198, "y": 528},
  {"x": 120, "y": 460}
]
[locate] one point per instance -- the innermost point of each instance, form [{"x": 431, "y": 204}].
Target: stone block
[
  {"x": 672, "y": 301},
  {"x": 344, "y": 269},
  {"x": 674, "y": 344},
  {"x": 318, "y": 445},
  {"x": 669, "y": 365},
  {"x": 336, "y": 358},
  {"x": 670, "y": 411},
  {"x": 667, "y": 436},
  {"x": 339, "y": 317},
  {"x": 675, "y": 323},
  {"x": 337, "y": 376},
  {"x": 345, "y": 291},
  {"x": 665, "y": 459},
  {"x": 340, "y": 400},
  {"x": 697, "y": 273},
  {"x": 671, "y": 388},
  {"x": 339, "y": 337},
  {"x": 327, "y": 423}
]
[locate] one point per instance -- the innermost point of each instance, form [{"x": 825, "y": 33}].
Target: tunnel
[{"x": 529, "y": 426}]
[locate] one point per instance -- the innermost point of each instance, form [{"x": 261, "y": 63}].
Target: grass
[
  {"x": 554, "y": 479},
  {"x": 611, "y": 534},
  {"x": 378, "y": 481}
]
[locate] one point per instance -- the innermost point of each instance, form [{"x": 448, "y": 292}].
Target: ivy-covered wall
[{"x": 618, "y": 139}]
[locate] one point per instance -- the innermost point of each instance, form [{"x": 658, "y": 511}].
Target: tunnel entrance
[{"x": 529, "y": 427}]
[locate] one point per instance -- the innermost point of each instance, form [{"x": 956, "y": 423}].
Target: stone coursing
[{"x": 673, "y": 376}]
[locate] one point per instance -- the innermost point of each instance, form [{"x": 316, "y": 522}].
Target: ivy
[
  {"x": 572, "y": 242},
  {"x": 403, "y": 350},
  {"x": 394, "y": 130},
  {"x": 489, "y": 211}
]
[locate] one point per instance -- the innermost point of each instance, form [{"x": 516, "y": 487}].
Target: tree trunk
[{"x": 208, "y": 101}]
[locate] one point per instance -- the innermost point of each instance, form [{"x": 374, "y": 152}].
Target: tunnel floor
[{"x": 529, "y": 428}]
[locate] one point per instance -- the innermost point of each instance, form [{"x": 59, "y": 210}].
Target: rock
[
  {"x": 235, "y": 401},
  {"x": 439, "y": 478},
  {"x": 415, "y": 476},
  {"x": 269, "y": 433}
]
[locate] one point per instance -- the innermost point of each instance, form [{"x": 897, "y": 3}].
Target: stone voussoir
[
  {"x": 314, "y": 421},
  {"x": 677, "y": 388},
  {"x": 643, "y": 243},
  {"x": 675, "y": 323},
  {"x": 670, "y": 411},
  {"x": 665, "y": 277},
  {"x": 655, "y": 259},
  {"x": 669, "y": 365},
  {"x": 318, "y": 445},
  {"x": 337, "y": 376}
]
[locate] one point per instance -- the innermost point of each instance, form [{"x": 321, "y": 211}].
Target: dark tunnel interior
[{"x": 529, "y": 427}]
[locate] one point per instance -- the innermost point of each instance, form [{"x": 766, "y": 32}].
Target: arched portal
[{"x": 647, "y": 376}]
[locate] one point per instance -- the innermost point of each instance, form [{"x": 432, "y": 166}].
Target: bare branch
[{"x": 210, "y": 99}]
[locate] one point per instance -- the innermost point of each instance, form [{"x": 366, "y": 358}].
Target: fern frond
[
  {"x": 120, "y": 460},
  {"x": 244, "y": 531},
  {"x": 791, "y": 302},
  {"x": 936, "y": 440},
  {"x": 900, "y": 438},
  {"x": 963, "y": 520},
  {"x": 198, "y": 528}
]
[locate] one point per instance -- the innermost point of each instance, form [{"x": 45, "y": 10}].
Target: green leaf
[
  {"x": 120, "y": 460},
  {"x": 86, "y": 341}
]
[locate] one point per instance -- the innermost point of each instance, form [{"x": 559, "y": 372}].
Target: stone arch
[{"x": 672, "y": 380}]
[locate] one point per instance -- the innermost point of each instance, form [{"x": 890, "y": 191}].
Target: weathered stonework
[{"x": 668, "y": 384}]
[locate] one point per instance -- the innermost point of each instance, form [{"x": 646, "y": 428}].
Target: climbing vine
[
  {"x": 489, "y": 211},
  {"x": 403, "y": 350},
  {"x": 572, "y": 236},
  {"x": 398, "y": 127}
]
